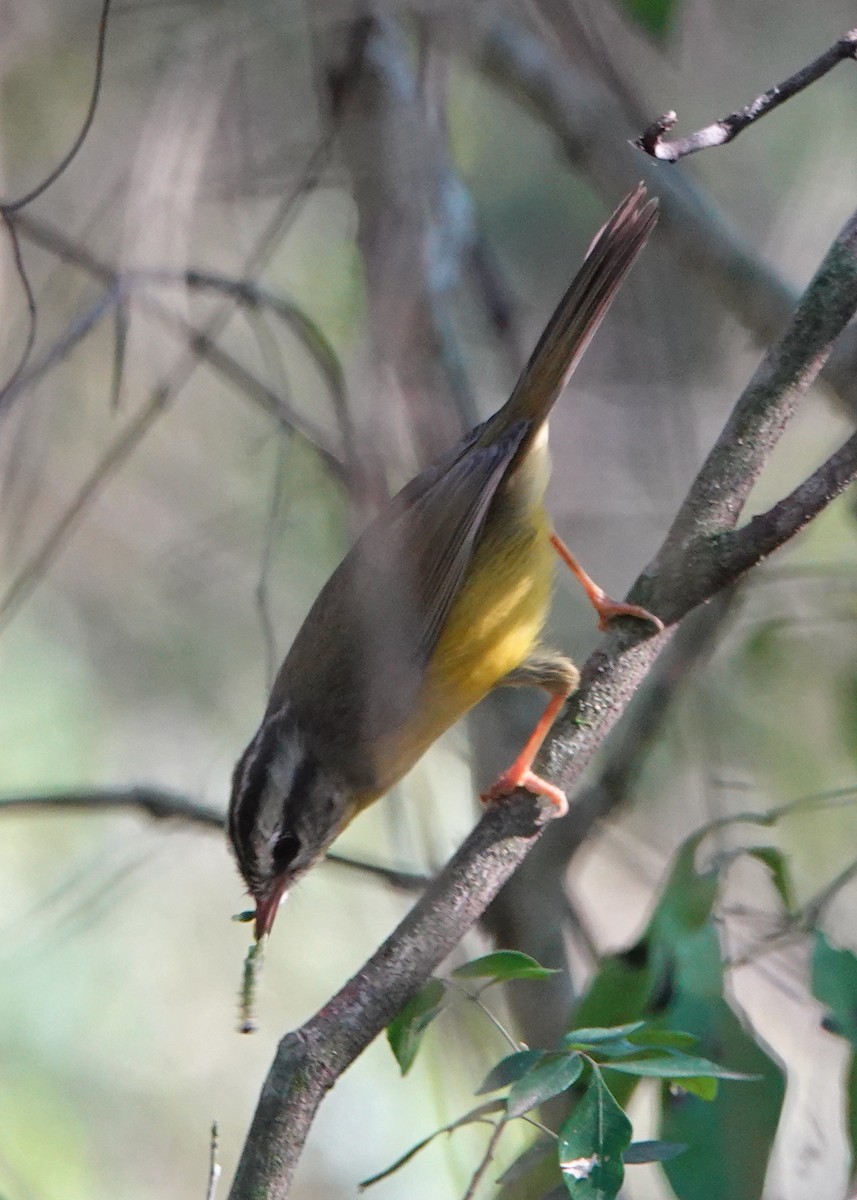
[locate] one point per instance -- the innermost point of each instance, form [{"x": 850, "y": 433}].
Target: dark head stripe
[{"x": 248, "y": 786}]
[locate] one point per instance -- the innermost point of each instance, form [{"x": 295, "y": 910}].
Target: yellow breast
[
  {"x": 498, "y": 618},
  {"x": 493, "y": 626}
]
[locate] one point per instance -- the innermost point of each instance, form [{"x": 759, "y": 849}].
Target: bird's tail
[{"x": 581, "y": 310}]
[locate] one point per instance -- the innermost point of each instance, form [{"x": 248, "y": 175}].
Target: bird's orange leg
[
  {"x": 606, "y": 608},
  {"x": 520, "y": 774}
]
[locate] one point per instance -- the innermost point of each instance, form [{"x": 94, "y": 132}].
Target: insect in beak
[{"x": 266, "y": 909}]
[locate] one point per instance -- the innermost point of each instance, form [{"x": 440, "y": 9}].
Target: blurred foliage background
[{"x": 407, "y": 187}]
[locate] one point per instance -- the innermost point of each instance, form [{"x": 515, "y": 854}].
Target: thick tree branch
[
  {"x": 310, "y": 1060},
  {"x": 415, "y": 218},
  {"x": 541, "y": 1009},
  {"x": 765, "y": 532},
  {"x": 754, "y": 428},
  {"x": 718, "y": 133}
]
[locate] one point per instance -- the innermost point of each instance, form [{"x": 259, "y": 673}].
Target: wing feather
[{"x": 361, "y": 655}]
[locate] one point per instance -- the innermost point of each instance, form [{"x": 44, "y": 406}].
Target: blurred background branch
[
  {"x": 159, "y": 805},
  {"x": 572, "y": 103},
  {"x": 391, "y": 201}
]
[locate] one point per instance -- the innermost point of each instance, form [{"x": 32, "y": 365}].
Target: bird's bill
[{"x": 266, "y": 909}]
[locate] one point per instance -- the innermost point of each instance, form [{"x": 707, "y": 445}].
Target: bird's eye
[{"x": 286, "y": 851}]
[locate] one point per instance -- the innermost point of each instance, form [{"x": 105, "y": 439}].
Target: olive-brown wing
[{"x": 358, "y": 662}]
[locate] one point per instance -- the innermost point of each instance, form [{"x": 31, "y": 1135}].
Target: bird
[{"x": 440, "y": 600}]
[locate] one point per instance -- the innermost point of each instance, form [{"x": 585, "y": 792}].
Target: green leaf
[
  {"x": 598, "y": 1034},
  {"x": 846, "y": 710},
  {"x": 556, "y": 1073},
  {"x": 673, "y": 977},
  {"x": 405, "y": 1032},
  {"x": 763, "y": 650},
  {"x": 673, "y": 1039},
  {"x": 534, "y": 1173},
  {"x": 703, "y": 1086},
  {"x": 686, "y": 902},
  {"x": 621, "y": 1049},
  {"x": 675, "y": 1066},
  {"x": 834, "y": 983},
  {"x": 592, "y": 1143},
  {"x": 509, "y": 1069},
  {"x": 620, "y": 993},
  {"x": 620, "y": 989},
  {"x": 649, "y": 1152},
  {"x": 503, "y": 965},
  {"x": 777, "y": 864},
  {"x": 534, "y": 1155},
  {"x": 478, "y": 1114},
  {"x": 731, "y": 1138},
  {"x": 655, "y": 17}
]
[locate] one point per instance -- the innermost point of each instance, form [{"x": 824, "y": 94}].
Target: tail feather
[{"x": 613, "y": 252}]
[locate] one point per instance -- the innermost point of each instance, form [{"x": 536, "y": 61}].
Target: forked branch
[{"x": 701, "y": 553}]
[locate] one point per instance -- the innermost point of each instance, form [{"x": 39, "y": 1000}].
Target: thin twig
[
  {"x": 566, "y": 101},
  {"x": 703, "y": 534},
  {"x": 200, "y": 342},
  {"x": 302, "y": 326},
  {"x": 29, "y": 300},
  {"x": 163, "y": 805},
  {"x": 530, "y": 1120},
  {"x": 487, "y": 1159},
  {"x": 12, "y": 206},
  {"x": 719, "y": 133},
  {"x": 79, "y": 899},
  {"x": 17, "y": 385},
  {"x": 213, "y": 1164},
  {"x": 7, "y": 208},
  {"x": 201, "y": 345},
  {"x": 266, "y": 624},
  {"x": 30, "y": 575},
  {"x": 476, "y": 998},
  {"x": 157, "y": 803},
  {"x": 252, "y": 295},
  {"x": 120, "y": 342},
  {"x": 813, "y": 910},
  {"x": 798, "y": 924},
  {"x": 403, "y": 881},
  {"x": 81, "y": 325}
]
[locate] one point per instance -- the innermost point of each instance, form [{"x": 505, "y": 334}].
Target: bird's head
[{"x": 286, "y": 809}]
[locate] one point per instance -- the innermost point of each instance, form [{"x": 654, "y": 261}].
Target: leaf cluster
[
  {"x": 657, "y": 1010},
  {"x": 594, "y": 1144}
]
